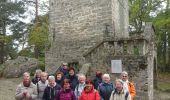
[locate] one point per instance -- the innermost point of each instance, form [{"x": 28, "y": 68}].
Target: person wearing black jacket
[
  {"x": 73, "y": 78},
  {"x": 37, "y": 75},
  {"x": 52, "y": 89},
  {"x": 98, "y": 79},
  {"x": 59, "y": 78}
]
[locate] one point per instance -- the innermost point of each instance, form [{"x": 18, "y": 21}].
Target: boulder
[{"x": 16, "y": 67}]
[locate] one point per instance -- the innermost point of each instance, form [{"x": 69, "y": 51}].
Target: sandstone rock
[{"x": 15, "y": 68}]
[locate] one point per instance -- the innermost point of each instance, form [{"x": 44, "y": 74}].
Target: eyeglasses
[{"x": 124, "y": 76}]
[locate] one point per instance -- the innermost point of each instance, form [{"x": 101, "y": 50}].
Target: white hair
[
  {"x": 81, "y": 75},
  {"x": 51, "y": 78},
  {"x": 106, "y": 75},
  {"x": 124, "y": 73}
]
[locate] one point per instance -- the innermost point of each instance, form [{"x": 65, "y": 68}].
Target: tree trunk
[
  {"x": 1, "y": 53},
  {"x": 2, "y": 44},
  {"x": 164, "y": 52},
  {"x": 36, "y": 52},
  {"x": 36, "y": 11}
]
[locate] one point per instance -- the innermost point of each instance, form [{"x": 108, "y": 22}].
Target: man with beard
[
  {"x": 26, "y": 90},
  {"x": 41, "y": 85}
]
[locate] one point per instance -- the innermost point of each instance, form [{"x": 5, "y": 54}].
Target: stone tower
[
  {"x": 78, "y": 25},
  {"x": 95, "y": 32}
]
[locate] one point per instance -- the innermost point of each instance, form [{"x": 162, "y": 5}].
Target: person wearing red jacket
[{"x": 89, "y": 93}]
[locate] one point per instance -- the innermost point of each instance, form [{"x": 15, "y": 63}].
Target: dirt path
[
  {"x": 161, "y": 95},
  {"x": 8, "y": 87}
]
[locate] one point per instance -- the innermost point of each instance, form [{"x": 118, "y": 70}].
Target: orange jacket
[{"x": 132, "y": 90}]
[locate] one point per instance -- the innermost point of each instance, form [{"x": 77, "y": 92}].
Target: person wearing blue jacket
[{"x": 105, "y": 88}]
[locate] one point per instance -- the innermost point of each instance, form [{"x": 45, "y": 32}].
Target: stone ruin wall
[
  {"x": 135, "y": 65},
  {"x": 77, "y": 25},
  {"x": 140, "y": 65}
]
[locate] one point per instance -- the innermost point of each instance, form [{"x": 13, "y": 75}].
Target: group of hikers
[{"x": 65, "y": 84}]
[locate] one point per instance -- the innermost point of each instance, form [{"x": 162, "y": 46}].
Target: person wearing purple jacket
[
  {"x": 66, "y": 93},
  {"x": 64, "y": 69}
]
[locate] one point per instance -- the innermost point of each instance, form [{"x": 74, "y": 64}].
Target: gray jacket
[
  {"x": 40, "y": 89},
  {"x": 32, "y": 89}
]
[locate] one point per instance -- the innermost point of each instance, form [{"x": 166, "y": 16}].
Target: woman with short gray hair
[
  {"x": 80, "y": 86},
  {"x": 51, "y": 89},
  {"x": 105, "y": 88}
]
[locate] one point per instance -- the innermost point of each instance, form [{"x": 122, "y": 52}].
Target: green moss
[
  {"x": 164, "y": 82},
  {"x": 41, "y": 63},
  {"x": 136, "y": 50},
  {"x": 1, "y": 70},
  {"x": 164, "y": 86}
]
